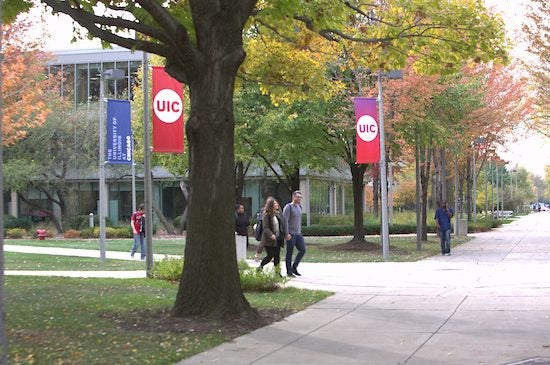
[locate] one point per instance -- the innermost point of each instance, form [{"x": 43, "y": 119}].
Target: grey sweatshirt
[{"x": 292, "y": 215}]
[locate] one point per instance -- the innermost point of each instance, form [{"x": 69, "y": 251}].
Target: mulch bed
[{"x": 163, "y": 321}]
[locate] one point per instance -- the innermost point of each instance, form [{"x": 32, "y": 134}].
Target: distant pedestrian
[
  {"x": 443, "y": 217},
  {"x": 273, "y": 234},
  {"x": 292, "y": 214},
  {"x": 241, "y": 222},
  {"x": 137, "y": 222}
]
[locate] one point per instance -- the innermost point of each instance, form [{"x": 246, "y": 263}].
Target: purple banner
[{"x": 119, "y": 132}]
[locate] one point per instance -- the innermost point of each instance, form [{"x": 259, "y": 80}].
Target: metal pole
[
  {"x": 456, "y": 231},
  {"x": 3, "y": 336},
  {"x": 148, "y": 181},
  {"x": 134, "y": 205},
  {"x": 102, "y": 192},
  {"x": 383, "y": 178},
  {"x": 486, "y": 197},
  {"x": 390, "y": 186},
  {"x": 475, "y": 185}
]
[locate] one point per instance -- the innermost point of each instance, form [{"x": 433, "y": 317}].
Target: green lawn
[
  {"x": 70, "y": 321},
  {"x": 163, "y": 246},
  {"x": 319, "y": 249},
  {"x": 28, "y": 261}
]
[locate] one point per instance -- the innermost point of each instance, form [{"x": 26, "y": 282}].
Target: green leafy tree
[
  {"x": 202, "y": 42},
  {"x": 67, "y": 141}
]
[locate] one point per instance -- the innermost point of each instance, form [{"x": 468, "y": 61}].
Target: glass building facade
[{"x": 78, "y": 73}]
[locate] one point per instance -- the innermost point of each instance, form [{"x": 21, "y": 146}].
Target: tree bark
[
  {"x": 375, "y": 193},
  {"x": 210, "y": 284},
  {"x": 165, "y": 222},
  {"x": 357, "y": 178},
  {"x": 425, "y": 171},
  {"x": 239, "y": 180},
  {"x": 469, "y": 183}
]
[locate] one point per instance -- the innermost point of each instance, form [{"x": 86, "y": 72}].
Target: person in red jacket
[{"x": 137, "y": 222}]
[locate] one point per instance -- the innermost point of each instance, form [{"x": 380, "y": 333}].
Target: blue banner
[{"x": 119, "y": 132}]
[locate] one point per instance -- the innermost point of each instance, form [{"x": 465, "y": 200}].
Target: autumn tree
[
  {"x": 202, "y": 41},
  {"x": 537, "y": 30},
  {"x": 25, "y": 86},
  {"x": 8, "y": 13}
]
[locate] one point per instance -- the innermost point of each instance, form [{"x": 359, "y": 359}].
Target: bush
[
  {"x": 169, "y": 269},
  {"x": 110, "y": 232},
  {"x": 90, "y": 232},
  {"x": 71, "y": 233},
  {"x": 16, "y": 233},
  {"x": 370, "y": 229},
  {"x": 12, "y": 222},
  {"x": 259, "y": 281}
]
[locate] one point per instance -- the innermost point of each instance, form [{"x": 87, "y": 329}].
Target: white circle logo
[
  {"x": 367, "y": 128},
  {"x": 168, "y": 105}
]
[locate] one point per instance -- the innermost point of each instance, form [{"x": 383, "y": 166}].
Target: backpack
[{"x": 258, "y": 230}]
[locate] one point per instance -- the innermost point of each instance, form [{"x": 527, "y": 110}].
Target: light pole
[
  {"x": 477, "y": 141},
  {"x": 111, "y": 74},
  {"x": 383, "y": 174}
]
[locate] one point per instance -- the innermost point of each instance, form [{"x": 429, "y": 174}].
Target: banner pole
[{"x": 148, "y": 181}]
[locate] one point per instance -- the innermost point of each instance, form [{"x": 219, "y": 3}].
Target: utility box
[
  {"x": 240, "y": 246},
  {"x": 462, "y": 227}
]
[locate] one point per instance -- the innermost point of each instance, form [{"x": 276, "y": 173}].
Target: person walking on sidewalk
[
  {"x": 443, "y": 217},
  {"x": 137, "y": 222},
  {"x": 241, "y": 222},
  {"x": 292, "y": 215},
  {"x": 273, "y": 234}
]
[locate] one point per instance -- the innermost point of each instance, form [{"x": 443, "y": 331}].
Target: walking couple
[{"x": 280, "y": 228}]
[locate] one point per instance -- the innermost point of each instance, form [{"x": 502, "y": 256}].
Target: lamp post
[
  {"x": 111, "y": 74},
  {"x": 478, "y": 141},
  {"x": 383, "y": 174}
]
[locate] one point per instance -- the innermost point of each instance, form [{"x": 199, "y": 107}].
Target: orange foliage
[{"x": 25, "y": 87}]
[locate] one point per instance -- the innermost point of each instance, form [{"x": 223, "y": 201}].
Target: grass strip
[{"x": 71, "y": 321}]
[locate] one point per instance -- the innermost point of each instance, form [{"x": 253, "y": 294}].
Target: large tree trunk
[
  {"x": 357, "y": 178},
  {"x": 469, "y": 183},
  {"x": 418, "y": 203},
  {"x": 210, "y": 284},
  {"x": 375, "y": 193},
  {"x": 425, "y": 171},
  {"x": 239, "y": 181}
]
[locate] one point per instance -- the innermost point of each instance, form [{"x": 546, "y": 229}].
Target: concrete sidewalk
[{"x": 488, "y": 303}]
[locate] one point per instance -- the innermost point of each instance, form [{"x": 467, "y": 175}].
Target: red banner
[
  {"x": 167, "y": 112},
  {"x": 367, "y": 131}
]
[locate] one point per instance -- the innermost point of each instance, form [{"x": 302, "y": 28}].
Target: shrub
[
  {"x": 16, "y": 233},
  {"x": 370, "y": 229},
  {"x": 71, "y": 233},
  {"x": 169, "y": 269},
  {"x": 90, "y": 232},
  {"x": 259, "y": 281},
  {"x": 12, "y": 222}
]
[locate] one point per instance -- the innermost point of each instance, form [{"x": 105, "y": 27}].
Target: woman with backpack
[{"x": 273, "y": 234}]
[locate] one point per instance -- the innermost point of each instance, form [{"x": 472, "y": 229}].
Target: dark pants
[
  {"x": 296, "y": 240},
  {"x": 272, "y": 253},
  {"x": 445, "y": 237}
]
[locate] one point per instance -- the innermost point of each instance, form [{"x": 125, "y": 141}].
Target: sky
[{"x": 529, "y": 150}]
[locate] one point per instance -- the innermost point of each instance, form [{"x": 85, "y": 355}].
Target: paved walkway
[{"x": 488, "y": 303}]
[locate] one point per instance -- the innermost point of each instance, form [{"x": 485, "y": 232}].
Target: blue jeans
[
  {"x": 298, "y": 241},
  {"x": 139, "y": 239},
  {"x": 445, "y": 237}
]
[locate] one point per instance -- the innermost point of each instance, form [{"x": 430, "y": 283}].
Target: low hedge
[
  {"x": 110, "y": 232},
  {"x": 370, "y": 229}
]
